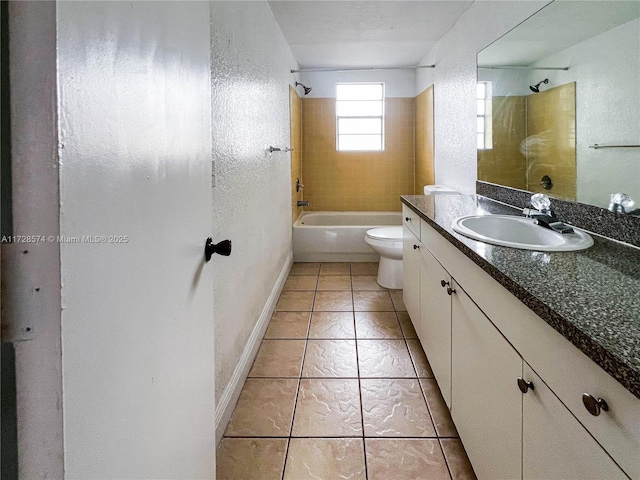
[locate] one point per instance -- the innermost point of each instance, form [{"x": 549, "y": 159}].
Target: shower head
[
  {"x": 536, "y": 88},
  {"x": 306, "y": 89}
]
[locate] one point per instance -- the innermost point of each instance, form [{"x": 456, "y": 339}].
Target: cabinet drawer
[
  {"x": 565, "y": 369},
  {"x": 411, "y": 220}
]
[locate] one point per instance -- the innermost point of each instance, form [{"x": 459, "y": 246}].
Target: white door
[{"x": 135, "y": 195}]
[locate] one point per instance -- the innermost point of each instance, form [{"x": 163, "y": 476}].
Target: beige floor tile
[
  {"x": 295, "y": 302},
  {"x": 305, "y": 269},
  {"x": 264, "y": 409},
  {"x": 423, "y": 369},
  {"x": 384, "y": 359},
  {"x": 407, "y": 325},
  {"x": 330, "y": 358},
  {"x": 332, "y": 325},
  {"x": 301, "y": 282},
  {"x": 243, "y": 458},
  {"x": 335, "y": 269},
  {"x": 328, "y": 408},
  {"x": 288, "y": 325},
  {"x": 459, "y": 465},
  {"x": 372, "y": 302},
  {"x": 438, "y": 408},
  {"x": 278, "y": 358},
  {"x": 395, "y": 408},
  {"x": 376, "y": 325},
  {"x": 365, "y": 282},
  {"x": 402, "y": 459},
  {"x": 325, "y": 458},
  {"x": 364, "y": 268},
  {"x": 334, "y": 282},
  {"x": 398, "y": 303},
  {"x": 333, "y": 302}
]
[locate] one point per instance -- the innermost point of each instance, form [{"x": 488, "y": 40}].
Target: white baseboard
[{"x": 232, "y": 392}]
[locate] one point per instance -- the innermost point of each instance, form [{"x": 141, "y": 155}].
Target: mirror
[{"x": 559, "y": 103}]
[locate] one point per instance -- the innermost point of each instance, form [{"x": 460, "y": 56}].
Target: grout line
[{"x": 364, "y": 443}]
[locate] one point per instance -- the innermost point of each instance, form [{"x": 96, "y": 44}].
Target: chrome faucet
[
  {"x": 543, "y": 215},
  {"x": 303, "y": 203},
  {"x": 623, "y": 203}
]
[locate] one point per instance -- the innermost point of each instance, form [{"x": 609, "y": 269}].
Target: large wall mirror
[{"x": 559, "y": 103}]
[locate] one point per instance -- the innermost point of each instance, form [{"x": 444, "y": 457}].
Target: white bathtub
[{"x": 338, "y": 236}]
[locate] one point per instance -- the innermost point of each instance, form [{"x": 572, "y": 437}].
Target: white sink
[{"x": 520, "y": 232}]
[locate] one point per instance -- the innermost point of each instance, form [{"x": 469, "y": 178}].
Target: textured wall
[
  {"x": 135, "y": 146},
  {"x": 360, "y": 181},
  {"x": 425, "y": 174},
  {"x": 250, "y": 63},
  {"x": 295, "y": 107},
  {"x": 455, "y": 80}
]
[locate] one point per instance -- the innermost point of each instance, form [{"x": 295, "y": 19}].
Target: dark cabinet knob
[
  {"x": 408, "y": 219},
  {"x": 524, "y": 386},
  {"x": 451, "y": 291},
  {"x": 593, "y": 404},
  {"x": 443, "y": 283},
  {"x": 415, "y": 247},
  {"x": 221, "y": 248}
]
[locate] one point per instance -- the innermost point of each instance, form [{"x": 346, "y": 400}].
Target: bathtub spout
[{"x": 303, "y": 203}]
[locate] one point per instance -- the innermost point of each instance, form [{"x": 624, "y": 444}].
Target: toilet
[{"x": 387, "y": 242}]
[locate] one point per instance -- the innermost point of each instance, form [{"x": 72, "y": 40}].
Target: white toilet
[{"x": 387, "y": 241}]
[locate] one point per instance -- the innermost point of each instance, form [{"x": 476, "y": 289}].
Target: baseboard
[{"x": 232, "y": 392}]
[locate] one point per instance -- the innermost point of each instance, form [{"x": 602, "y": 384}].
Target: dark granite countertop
[{"x": 592, "y": 297}]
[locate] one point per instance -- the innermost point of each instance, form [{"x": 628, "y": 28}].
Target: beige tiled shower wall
[
  {"x": 295, "y": 106},
  {"x": 551, "y": 140},
  {"x": 504, "y": 162},
  {"x": 425, "y": 174},
  {"x": 360, "y": 181}
]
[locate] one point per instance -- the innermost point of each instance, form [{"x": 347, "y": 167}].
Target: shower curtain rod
[
  {"x": 514, "y": 67},
  {"x": 364, "y": 69}
]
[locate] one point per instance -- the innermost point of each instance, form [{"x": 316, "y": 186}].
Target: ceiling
[
  {"x": 556, "y": 27},
  {"x": 360, "y": 34}
]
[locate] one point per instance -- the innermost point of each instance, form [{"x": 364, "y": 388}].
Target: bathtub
[{"x": 338, "y": 236}]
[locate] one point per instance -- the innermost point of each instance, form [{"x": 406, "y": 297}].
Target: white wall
[
  {"x": 251, "y": 65},
  {"x": 137, "y": 327},
  {"x": 398, "y": 83},
  {"x": 606, "y": 69},
  {"x": 454, "y": 80}
]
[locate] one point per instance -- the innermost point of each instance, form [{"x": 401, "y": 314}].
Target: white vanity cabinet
[
  {"x": 480, "y": 340},
  {"x": 433, "y": 325}
]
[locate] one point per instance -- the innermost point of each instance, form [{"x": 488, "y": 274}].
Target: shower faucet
[{"x": 303, "y": 203}]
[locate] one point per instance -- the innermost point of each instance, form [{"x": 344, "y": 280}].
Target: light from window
[
  {"x": 484, "y": 127},
  {"x": 360, "y": 116}
]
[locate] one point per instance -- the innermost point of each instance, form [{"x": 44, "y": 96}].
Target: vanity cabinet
[
  {"x": 434, "y": 321},
  {"x": 480, "y": 341},
  {"x": 411, "y": 272}
]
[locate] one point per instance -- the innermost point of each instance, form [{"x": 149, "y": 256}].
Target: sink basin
[{"x": 519, "y": 232}]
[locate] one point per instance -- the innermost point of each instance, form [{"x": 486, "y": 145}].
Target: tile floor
[{"x": 340, "y": 389}]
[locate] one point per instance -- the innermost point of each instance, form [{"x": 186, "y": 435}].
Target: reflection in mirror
[{"x": 561, "y": 82}]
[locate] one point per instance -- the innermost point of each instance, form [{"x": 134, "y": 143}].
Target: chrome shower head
[
  {"x": 536, "y": 88},
  {"x": 306, "y": 89}
]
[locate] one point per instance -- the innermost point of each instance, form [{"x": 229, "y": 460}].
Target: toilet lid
[{"x": 386, "y": 233}]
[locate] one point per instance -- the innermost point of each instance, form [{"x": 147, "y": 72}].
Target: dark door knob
[
  {"x": 524, "y": 386},
  {"x": 593, "y": 404},
  {"x": 451, "y": 291},
  {"x": 415, "y": 247},
  {"x": 443, "y": 283},
  {"x": 221, "y": 248}
]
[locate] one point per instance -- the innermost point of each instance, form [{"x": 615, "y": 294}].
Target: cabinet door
[
  {"x": 555, "y": 444},
  {"x": 486, "y": 402},
  {"x": 434, "y": 329},
  {"x": 411, "y": 274}
]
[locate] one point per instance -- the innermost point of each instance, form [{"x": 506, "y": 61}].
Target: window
[
  {"x": 360, "y": 116},
  {"x": 485, "y": 140}
]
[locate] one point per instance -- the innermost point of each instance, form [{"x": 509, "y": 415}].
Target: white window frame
[
  {"x": 484, "y": 125},
  {"x": 381, "y": 117}
]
